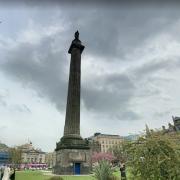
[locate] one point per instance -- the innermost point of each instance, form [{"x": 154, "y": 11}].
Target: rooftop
[{"x": 111, "y": 135}]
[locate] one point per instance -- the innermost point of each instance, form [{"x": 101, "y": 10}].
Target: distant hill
[
  {"x": 132, "y": 137},
  {"x": 3, "y": 147}
]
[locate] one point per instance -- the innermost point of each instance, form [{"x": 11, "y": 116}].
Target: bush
[
  {"x": 113, "y": 178},
  {"x": 96, "y": 157},
  {"x": 56, "y": 178},
  {"x": 103, "y": 171}
]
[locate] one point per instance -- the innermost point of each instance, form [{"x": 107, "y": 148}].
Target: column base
[
  {"x": 73, "y": 161},
  {"x": 72, "y": 142}
]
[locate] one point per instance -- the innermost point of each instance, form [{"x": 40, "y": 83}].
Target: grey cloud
[
  {"x": 13, "y": 107},
  {"x": 162, "y": 114},
  {"x": 114, "y": 33},
  {"x": 111, "y": 98},
  {"x": 2, "y": 101},
  {"x": 26, "y": 108},
  {"x": 151, "y": 67},
  {"x": 19, "y": 108},
  {"x": 109, "y": 34},
  {"x": 3, "y": 96},
  {"x": 148, "y": 70},
  {"x": 37, "y": 66},
  {"x": 128, "y": 115},
  {"x": 2, "y": 128}
]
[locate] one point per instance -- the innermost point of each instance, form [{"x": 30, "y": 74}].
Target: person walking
[
  {"x": 123, "y": 171},
  {"x": 6, "y": 174},
  {"x": 12, "y": 176},
  {"x": 1, "y": 173}
]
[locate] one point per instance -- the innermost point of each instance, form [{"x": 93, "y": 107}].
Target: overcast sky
[{"x": 130, "y": 69}]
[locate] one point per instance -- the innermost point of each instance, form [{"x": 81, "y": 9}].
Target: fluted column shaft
[{"x": 72, "y": 121}]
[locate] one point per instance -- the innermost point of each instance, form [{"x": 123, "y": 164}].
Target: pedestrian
[
  {"x": 1, "y": 173},
  {"x": 123, "y": 171},
  {"x": 6, "y": 174},
  {"x": 12, "y": 176}
]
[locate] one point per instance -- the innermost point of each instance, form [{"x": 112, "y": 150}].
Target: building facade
[
  {"x": 94, "y": 146},
  {"x": 51, "y": 159},
  {"x": 175, "y": 127},
  {"x": 176, "y": 121},
  {"x": 106, "y": 141},
  {"x": 31, "y": 154},
  {"x": 4, "y": 154}
]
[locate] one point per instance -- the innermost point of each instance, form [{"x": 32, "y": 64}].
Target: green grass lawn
[
  {"x": 30, "y": 175},
  {"x": 37, "y": 175}
]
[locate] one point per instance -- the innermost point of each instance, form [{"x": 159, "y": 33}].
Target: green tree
[
  {"x": 120, "y": 151},
  {"x": 155, "y": 157},
  {"x": 15, "y": 155}
]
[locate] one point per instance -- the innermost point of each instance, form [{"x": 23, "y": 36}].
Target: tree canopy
[{"x": 154, "y": 156}]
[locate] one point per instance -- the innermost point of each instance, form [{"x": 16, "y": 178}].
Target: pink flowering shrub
[{"x": 97, "y": 157}]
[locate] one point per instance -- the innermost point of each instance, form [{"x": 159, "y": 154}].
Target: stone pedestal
[{"x": 67, "y": 159}]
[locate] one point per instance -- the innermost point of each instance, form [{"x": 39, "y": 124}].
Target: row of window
[
  {"x": 105, "y": 146},
  {"x": 110, "y": 142},
  {"x": 33, "y": 160}
]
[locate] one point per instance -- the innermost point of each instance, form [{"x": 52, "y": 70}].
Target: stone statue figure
[
  {"x": 76, "y": 40},
  {"x": 76, "y": 43},
  {"x": 76, "y": 35}
]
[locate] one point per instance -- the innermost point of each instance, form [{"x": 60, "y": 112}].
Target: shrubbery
[
  {"x": 155, "y": 157},
  {"x": 104, "y": 171}
]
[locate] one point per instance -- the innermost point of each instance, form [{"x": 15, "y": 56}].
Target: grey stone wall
[{"x": 65, "y": 159}]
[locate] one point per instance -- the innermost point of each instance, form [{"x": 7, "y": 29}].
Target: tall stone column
[
  {"x": 73, "y": 153},
  {"x": 72, "y": 122},
  {"x": 72, "y": 138}
]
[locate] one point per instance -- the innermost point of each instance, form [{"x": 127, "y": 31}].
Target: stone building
[
  {"x": 172, "y": 127},
  {"x": 176, "y": 121},
  {"x": 4, "y": 154},
  {"x": 31, "y": 154},
  {"x": 50, "y": 159},
  {"x": 95, "y": 146},
  {"x": 107, "y": 141}
]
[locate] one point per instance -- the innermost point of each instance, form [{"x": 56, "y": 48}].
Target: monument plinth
[{"x": 72, "y": 151}]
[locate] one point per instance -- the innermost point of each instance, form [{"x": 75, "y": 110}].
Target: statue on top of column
[
  {"x": 76, "y": 43},
  {"x": 76, "y": 40},
  {"x": 76, "y": 35}
]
